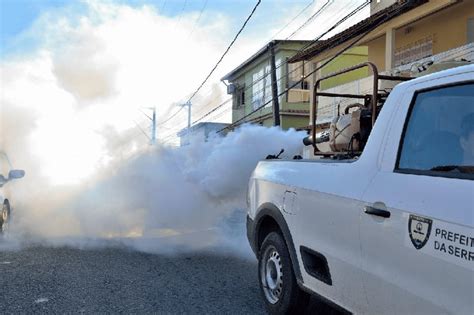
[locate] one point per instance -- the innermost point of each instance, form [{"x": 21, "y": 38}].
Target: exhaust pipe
[{"x": 321, "y": 137}]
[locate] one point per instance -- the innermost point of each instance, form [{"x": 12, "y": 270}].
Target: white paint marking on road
[
  {"x": 41, "y": 300},
  {"x": 5, "y": 262}
]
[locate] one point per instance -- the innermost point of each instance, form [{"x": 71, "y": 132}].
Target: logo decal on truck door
[{"x": 419, "y": 229}]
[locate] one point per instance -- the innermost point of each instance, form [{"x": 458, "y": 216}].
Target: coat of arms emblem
[{"x": 419, "y": 229}]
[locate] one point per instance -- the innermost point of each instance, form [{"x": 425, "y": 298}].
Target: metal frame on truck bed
[{"x": 372, "y": 104}]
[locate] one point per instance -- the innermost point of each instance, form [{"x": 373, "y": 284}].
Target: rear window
[{"x": 439, "y": 133}]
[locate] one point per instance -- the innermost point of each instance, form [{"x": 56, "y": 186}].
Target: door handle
[{"x": 376, "y": 211}]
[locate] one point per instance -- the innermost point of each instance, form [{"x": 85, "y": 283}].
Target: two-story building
[
  {"x": 403, "y": 37},
  {"x": 250, "y": 84}
]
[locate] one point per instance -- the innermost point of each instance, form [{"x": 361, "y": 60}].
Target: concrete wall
[
  {"x": 377, "y": 5},
  {"x": 448, "y": 28}
]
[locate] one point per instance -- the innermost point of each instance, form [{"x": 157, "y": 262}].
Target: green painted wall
[
  {"x": 285, "y": 50},
  {"x": 352, "y": 57}
]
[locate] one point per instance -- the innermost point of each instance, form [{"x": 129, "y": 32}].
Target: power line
[
  {"x": 281, "y": 64},
  {"x": 171, "y": 117},
  {"x": 199, "y": 18},
  {"x": 293, "y": 19},
  {"x": 310, "y": 18},
  {"x": 355, "y": 11},
  {"x": 345, "y": 18},
  {"x": 163, "y": 6},
  {"x": 141, "y": 129},
  {"x": 283, "y": 28},
  {"x": 234, "y": 41},
  {"x": 227, "y": 50},
  {"x": 181, "y": 13},
  {"x": 388, "y": 16},
  {"x": 213, "y": 110},
  {"x": 219, "y": 61}
]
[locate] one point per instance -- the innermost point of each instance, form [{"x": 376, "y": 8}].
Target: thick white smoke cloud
[
  {"x": 67, "y": 116},
  {"x": 163, "y": 194}
]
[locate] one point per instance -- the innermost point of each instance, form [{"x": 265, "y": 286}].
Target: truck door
[
  {"x": 417, "y": 224},
  {"x": 325, "y": 230}
]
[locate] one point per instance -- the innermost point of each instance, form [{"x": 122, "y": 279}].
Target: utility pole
[
  {"x": 188, "y": 104},
  {"x": 153, "y": 124},
  {"x": 188, "y": 129},
  {"x": 153, "y": 127},
  {"x": 276, "y": 105}
]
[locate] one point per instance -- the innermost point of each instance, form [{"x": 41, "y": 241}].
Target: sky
[
  {"x": 78, "y": 78},
  {"x": 18, "y": 16}
]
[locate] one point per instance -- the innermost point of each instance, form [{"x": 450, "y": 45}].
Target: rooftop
[
  {"x": 363, "y": 26},
  {"x": 259, "y": 53}
]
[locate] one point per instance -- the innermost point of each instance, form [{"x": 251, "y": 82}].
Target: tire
[
  {"x": 4, "y": 216},
  {"x": 278, "y": 284}
]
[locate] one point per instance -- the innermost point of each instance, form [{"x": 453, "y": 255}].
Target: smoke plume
[{"x": 68, "y": 116}]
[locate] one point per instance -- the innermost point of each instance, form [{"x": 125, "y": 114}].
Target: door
[
  {"x": 324, "y": 222},
  {"x": 417, "y": 227}
]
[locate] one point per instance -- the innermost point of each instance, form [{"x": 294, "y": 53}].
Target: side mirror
[{"x": 15, "y": 174}]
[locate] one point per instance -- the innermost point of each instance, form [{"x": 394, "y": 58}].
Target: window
[
  {"x": 299, "y": 93},
  {"x": 439, "y": 134},
  {"x": 262, "y": 85},
  {"x": 239, "y": 97},
  {"x": 296, "y": 71},
  {"x": 258, "y": 89}
]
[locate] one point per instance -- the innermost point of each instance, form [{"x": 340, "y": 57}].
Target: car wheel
[
  {"x": 278, "y": 284},
  {"x": 4, "y": 216}
]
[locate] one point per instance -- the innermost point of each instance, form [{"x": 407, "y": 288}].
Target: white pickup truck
[{"x": 388, "y": 231}]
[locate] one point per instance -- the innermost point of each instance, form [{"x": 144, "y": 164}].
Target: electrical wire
[
  {"x": 345, "y": 18},
  {"x": 388, "y": 16},
  {"x": 219, "y": 61},
  {"x": 141, "y": 129},
  {"x": 226, "y": 51},
  {"x": 310, "y": 18},
  {"x": 172, "y": 116},
  {"x": 181, "y": 13},
  {"x": 199, "y": 18},
  {"x": 213, "y": 110},
  {"x": 163, "y": 6},
  {"x": 293, "y": 19}
]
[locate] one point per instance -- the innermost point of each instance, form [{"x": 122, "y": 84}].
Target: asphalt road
[
  {"x": 116, "y": 280},
  {"x": 120, "y": 280}
]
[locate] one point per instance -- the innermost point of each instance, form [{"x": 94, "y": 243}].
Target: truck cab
[{"x": 388, "y": 230}]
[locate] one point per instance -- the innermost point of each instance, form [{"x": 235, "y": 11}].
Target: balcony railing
[{"x": 298, "y": 96}]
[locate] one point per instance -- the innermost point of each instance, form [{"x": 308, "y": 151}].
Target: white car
[
  {"x": 390, "y": 231},
  {"x": 7, "y": 173}
]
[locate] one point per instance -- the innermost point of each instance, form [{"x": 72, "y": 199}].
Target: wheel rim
[
  {"x": 3, "y": 218},
  {"x": 271, "y": 275}
]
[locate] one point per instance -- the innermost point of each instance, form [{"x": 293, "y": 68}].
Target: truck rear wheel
[{"x": 278, "y": 284}]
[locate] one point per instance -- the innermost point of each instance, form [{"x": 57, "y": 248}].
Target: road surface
[{"x": 121, "y": 280}]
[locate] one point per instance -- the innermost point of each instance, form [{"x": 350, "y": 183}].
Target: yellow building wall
[
  {"x": 448, "y": 28},
  {"x": 377, "y": 52}
]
